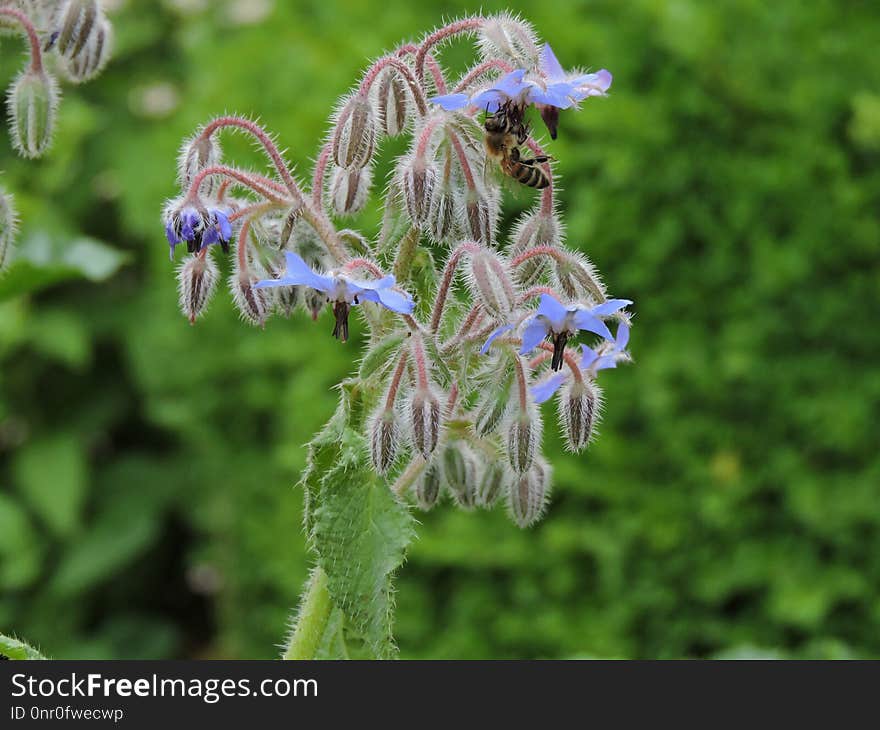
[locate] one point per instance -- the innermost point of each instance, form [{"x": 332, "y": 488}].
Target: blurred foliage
[{"x": 730, "y": 185}]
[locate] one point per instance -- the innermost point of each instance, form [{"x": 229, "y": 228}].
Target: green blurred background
[{"x": 731, "y": 507}]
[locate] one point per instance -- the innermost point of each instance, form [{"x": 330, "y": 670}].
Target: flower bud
[
  {"x": 349, "y": 189},
  {"x": 417, "y": 180},
  {"x": 31, "y": 104},
  {"x": 428, "y": 486},
  {"x": 578, "y": 278},
  {"x": 478, "y": 212},
  {"x": 441, "y": 217},
  {"x": 383, "y": 438},
  {"x": 354, "y": 134},
  {"x": 510, "y": 38},
  {"x": 8, "y": 229},
  {"x": 460, "y": 473},
  {"x": 492, "y": 405},
  {"x": 533, "y": 230},
  {"x": 197, "y": 154},
  {"x": 294, "y": 215},
  {"x": 393, "y": 103},
  {"x": 253, "y": 304},
  {"x": 524, "y": 429},
  {"x": 425, "y": 415},
  {"x": 79, "y": 20},
  {"x": 196, "y": 282},
  {"x": 492, "y": 484},
  {"x": 491, "y": 284},
  {"x": 528, "y": 494},
  {"x": 92, "y": 58},
  {"x": 579, "y": 406}
]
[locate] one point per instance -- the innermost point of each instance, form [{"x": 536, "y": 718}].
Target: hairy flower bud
[
  {"x": 354, "y": 134},
  {"x": 31, "y": 105},
  {"x": 578, "y": 278},
  {"x": 349, "y": 189},
  {"x": 460, "y": 473},
  {"x": 533, "y": 230},
  {"x": 509, "y": 37},
  {"x": 93, "y": 56},
  {"x": 524, "y": 429},
  {"x": 383, "y": 438},
  {"x": 579, "y": 406},
  {"x": 490, "y": 283},
  {"x": 8, "y": 228},
  {"x": 478, "y": 212},
  {"x": 393, "y": 103},
  {"x": 425, "y": 415},
  {"x": 428, "y": 486},
  {"x": 196, "y": 281},
  {"x": 417, "y": 180},
  {"x": 492, "y": 484},
  {"x": 528, "y": 494},
  {"x": 253, "y": 304},
  {"x": 196, "y": 154},
  {"x": 493, "y": 402},
  {"x": 441, "y": 217},
  {"x": 78, "y": 22}
]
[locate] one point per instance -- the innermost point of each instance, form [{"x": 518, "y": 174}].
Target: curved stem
[
  {"x": 269, "y": 189},
  {"x": 479, "y": 70},
  {"x": 433, "y": 66},
  {"x": 31, "y": 32},
  {"x": 320, "y": 171},
  {"x": 311, "y": 622},
  {"x": 407, "y": 74},
  {"x": 466, "y": 25},
  {"x": 446, "y": 282}
]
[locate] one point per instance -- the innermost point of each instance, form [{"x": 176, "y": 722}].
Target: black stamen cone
[
  {"x": 550, "y": 115},
  {"x": 340, "y": 311},
  {"x": 558, "y": 350}
]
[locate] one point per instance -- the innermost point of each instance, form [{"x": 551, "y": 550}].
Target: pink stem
[
  {"x": 403, "y": 70},
  {"x": 536, "y": 291},
  {"x": 465, "y": 25},
  {"x": 320, "y": 170},
  {"x": 446, "y": 282},
  {"x": 395, "y": 381},
  {"x": 553, "y": 253},
  {"x": 451, "y": 400},
  {"x": 463, "y": 161},
  {"x": 257, "y": 183},
  {"x": 419, "y": 355},
  {"x": 479, "y": 70},
  {"x": 425, "y": 137},
  {"x": 361, "y": 263},
  {"x": 33, "y": 38},
  {"x": 521, "y": 382},
  {"x": 433, "y": 66},
  {"x": 243, "y": 244}
]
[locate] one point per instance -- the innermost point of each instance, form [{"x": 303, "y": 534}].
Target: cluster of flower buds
[{"x": 468, "y": 328}]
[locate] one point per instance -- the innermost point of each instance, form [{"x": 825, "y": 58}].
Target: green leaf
[{"x": 13, "y": 648}]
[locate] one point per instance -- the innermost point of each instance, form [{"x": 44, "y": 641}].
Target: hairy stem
[
  {"x": 311, "y": 622},
  {"x": 31, "y": 32}
]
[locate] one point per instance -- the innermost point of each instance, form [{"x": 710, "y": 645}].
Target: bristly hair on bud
[
  {"x": 494, "y": 387},
  {"x": 93, "y": 56},
  {"x": 8, "y": 229},
  {"x": 31, "y": 105},
  {"x": 524, "y": 428},
  {"x": 492, "y": 484},
  {"x": 578, "y": 278},
  {"x": 384, "y": 430},
  {"x": 428, "y": 486},
  {"x": 196, "y": 154},
  {"x": 490, "y": 283},
  {"x": 533, "y": 230},
  {"x": 528, "y": 494},
  {"x": 580, "y": 405},
  {"x": 511, "y": 38},
  {"x": 349, "y": 189},
  {"x": 441, "y": 217},
  {"x": 354, "y": 133},
  {"x": 196, "y": 282},
  {"x": 392, "y": 101},
  {"x": 254, "y": 305},
  {"x": 417, "y": 180},
  {"x": 425, "y": 420},
  {"x": 79, "y": 21},
  {"x": 478, "y": 211},
  {"x": 460, "y": 473}
]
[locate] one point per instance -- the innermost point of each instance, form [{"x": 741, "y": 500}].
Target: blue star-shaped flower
[
  {"x": 343, "y": 290},
  {"x": 198, "y": 228}
]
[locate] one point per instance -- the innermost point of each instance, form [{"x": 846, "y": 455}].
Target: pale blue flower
[{"x": 198, "y": 228}]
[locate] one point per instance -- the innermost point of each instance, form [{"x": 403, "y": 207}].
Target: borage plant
[{"x": 467, "y": 332}]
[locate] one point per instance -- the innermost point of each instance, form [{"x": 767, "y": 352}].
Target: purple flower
[
  {"x": 591, "y": 362},
  {"x": 199, "y": 228},
  {"x": 342, "y": 290}
]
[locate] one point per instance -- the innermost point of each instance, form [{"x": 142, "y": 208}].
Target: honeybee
[{"x": 506, "y": 130}]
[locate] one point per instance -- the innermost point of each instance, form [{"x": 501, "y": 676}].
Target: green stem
[{"x": 312, "y": 620}]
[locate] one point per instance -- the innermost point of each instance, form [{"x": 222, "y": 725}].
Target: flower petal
[
  {"x": 610, "y": 306},
  {"x": 298, "y": 273},
  {"x": 396, "y": 301},
  {"x": 584, "y": 320},
  {"x": 552, "y": 309},
  {"x": 171, "y": 235},
  {"x": 622, "y": 338},
  {"x": 533, "y": 334},
  {"x": 588, "y": 356},
  {"x": 558, "y": 95},
  {"x": 495, "y": 334},
  {"x": 451, "y": 102},
  {"x": 542, "y": 391},
  {"x": 223, "y": 224},
  {"x": 550, "y": 64}
]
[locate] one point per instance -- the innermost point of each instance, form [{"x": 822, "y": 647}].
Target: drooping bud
[
  {"x": 291, "y": 219},
  {"x": 426, "y": 420},
  {"x": 533, "y": 230},
  {"x": 460, "y": 473},
  {"x": 578, "y": 278},
  {"x": 442, "y": 215},
  {"x": 349, "y": 189},
  {"x": 579, "y": 405},
  {"x": 8, "y": 228},
  {"x": 78, "y": 21},
  {"x": 93, "y": 56},
  {"x": 354, "y": 134},
  {"x": 478, "y": 211},
  {"x": 490, "y": 283},
  {"x": 528, "y": 494},
  {"x": 393, "y": 103},
  {"x": 509, "y": 37},
  {"x": 384, "y": 429},
  {"x": 493, "y": 402},
  {"x": 196, "y": 154},
  {"x": 524, "y": 429},
  {"x": 314, "y": 301},
  {"x": 492, "y": 484},
  {"x": 417, "y": 180},
  {"x": 31, "y": 105},
  {"x": 196, "y": 283},
  {"x": 355, "y": 241},
  {"x": 253, "y": 304},
  {"x": 428, "y": 486}
]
